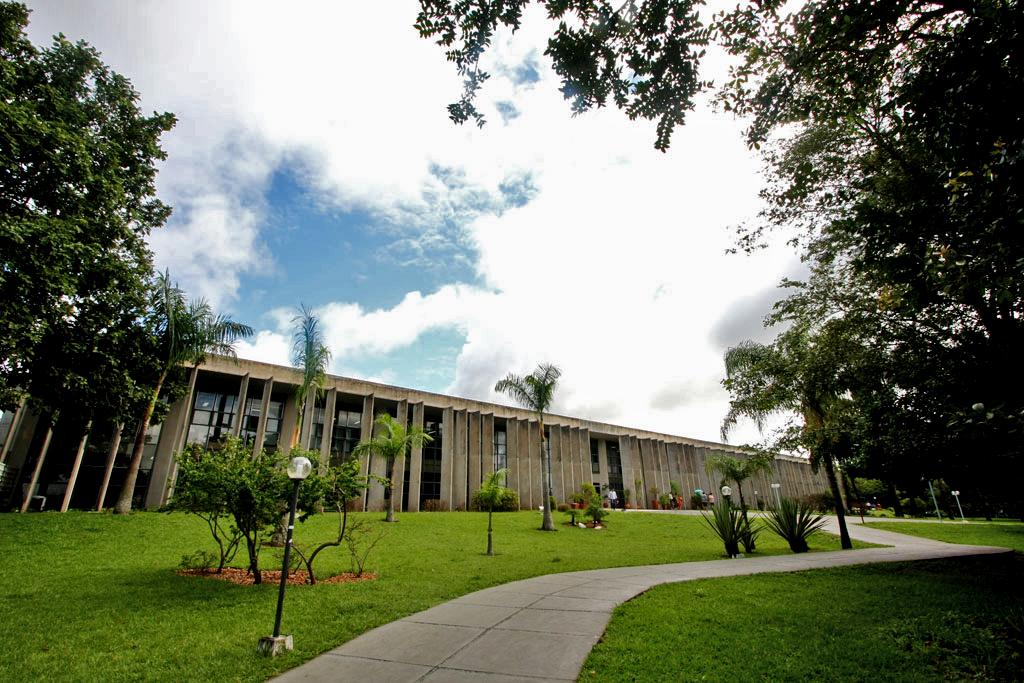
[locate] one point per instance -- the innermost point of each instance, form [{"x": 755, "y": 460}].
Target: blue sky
[{"x": 314, "y": 162}]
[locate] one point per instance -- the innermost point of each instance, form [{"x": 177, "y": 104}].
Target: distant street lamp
[
  {"x": 956, "y": 494},
  {"x": 298, "y": 469},
  {"x": 727, "y": 494},
  {"x": 935, "y": 501},
  {"x": 756, "y": 504},
  {"x": 778, "y": 500}
]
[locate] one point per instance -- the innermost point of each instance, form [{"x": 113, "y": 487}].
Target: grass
[
  {"x": 938, "y": 620},
  {"x": 1002, "y": 534},
  {"x": 90, "y": 596}
]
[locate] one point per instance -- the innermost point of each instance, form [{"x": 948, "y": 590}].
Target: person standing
[{"x": 613, "y": 498}]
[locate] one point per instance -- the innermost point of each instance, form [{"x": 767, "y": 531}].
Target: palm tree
[
  {"x": 311, "y": 354},
  {"x": 490, "y": 495},
  {"x": 738, "y": 470},
  {"x": 788, "y": 377},
  {"x": 392, "y": 443},
  {"x": 536, "y": 392},
  {"x": 185, "y": 331}
]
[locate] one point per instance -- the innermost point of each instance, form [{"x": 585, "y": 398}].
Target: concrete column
[
  {"x": 626, "y": 458},
  {"x": 557, "y": 474},
  {"x": 487, "y": 444},
  {"x": 415, "y": 462},
  {"x": 366, "y": 427},
  {"x": 398, "y": 477},
  {"x": 666, "y": 472},
  {"x": 514, "y": 471},
  {"x": 460, "y": 464},
  {"x": 328, "y": 433},
  {"x": 536, "y": 464},
  {"x": 261, "y": 427},
  {"x": 115, "y": 443},
  {"x": 379, "y": 468},
  {"x": 69, "y": 490},
  {"x": 243, "y": 394},
  {"x": 307, "y": 422},
  {"x": 173, "y": 436},
  {"x": 602, "y": 461},
  {"x": 12, "y": 430},
  {"x": 580, "y": 469},
  {"x": 34, "y": 482},
  {"x": 673, "y": 452},
  {"x": 475, "y": 453},
  {"x": 289, "y": 421},
  {"x": 447, "y": 456}
]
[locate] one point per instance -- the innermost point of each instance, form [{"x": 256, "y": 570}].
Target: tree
[
  {"x": 77, "y": 201},
  {"x": 739, "y": 470},
  {"x": 392, "y": 444},
  {"x": 795, "y": 374},
  {"x": 490, "y": 495},
  {"x": 536, "y": 391},
  {"x": 185, "y": 332},
  {"x": 310, "y": 353}
]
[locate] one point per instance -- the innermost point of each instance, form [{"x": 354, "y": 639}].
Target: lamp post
[
  {"x": 298, "y": 469},
  {"x": 757, "y": 505},
  {"x": 956, "y": 494},
  {"x": 775, "y": 487},
  {"x": 935, "y": 502},
  {"x": 727, "y": 494}
]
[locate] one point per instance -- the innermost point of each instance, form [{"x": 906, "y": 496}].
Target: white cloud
[{"x": 614, "y": 270}]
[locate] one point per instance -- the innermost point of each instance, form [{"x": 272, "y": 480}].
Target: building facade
[{"x": 470, "y": 439}]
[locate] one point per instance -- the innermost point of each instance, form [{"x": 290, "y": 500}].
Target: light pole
[
  {"x": 727, "y": 494},
  {"x": 778, "y": 501},
  {"x": 757, "y": 505},
  {"x": 298, "y": 469},
  {"x": 956, "y": 494},
  {"x": 935, "y": 502}
]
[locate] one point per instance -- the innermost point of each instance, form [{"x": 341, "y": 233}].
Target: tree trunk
[
  {"x": 115, "y": 443},
  {"x": 391, "y": 499},
  {"x": 897, "y": 506},
  {"x": 844, "y": 533},
  {"x": 490, "y": 544},
  {"x": 48, "y": 421},
  {"x": 254, "y": 565},
  {"x": 12, "y": 430},
  {"x": 124, "y": 501},
  {"x": 548, "y": 523}
]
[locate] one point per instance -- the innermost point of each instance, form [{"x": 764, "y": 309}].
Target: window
[
  {"x": 595, "y": 460},
  {"x": 251, "y": 422},
  {"x": 346, "y": 434},
  {"x": 213, "y": 415},
  {"x": 500, "y": 449},
  {"x": 430, "y": 473}
]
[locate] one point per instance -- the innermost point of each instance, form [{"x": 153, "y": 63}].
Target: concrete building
[{"x": 256, "y": 401}]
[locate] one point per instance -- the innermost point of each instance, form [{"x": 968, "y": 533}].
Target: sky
[{"x": 313, "y": 163}]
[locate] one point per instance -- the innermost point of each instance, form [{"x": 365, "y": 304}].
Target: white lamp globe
[
  {"x": 726, "y": 490},
  {"x": 299, "y": 468}
]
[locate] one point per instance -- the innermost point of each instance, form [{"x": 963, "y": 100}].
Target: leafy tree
[
  {"x": 184, "y": 332},
  {"x": 392, "y": 444},
  {"x": 310, "y": 353},
  {"x": 77, "y": 201},
  {"x": 536, "y": 391},
  {"x": 490, "y": 495},
  {"x": 333, "y": 489}
]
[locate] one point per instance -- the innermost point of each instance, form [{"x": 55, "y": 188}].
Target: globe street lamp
[
  {"x": 298, "y": 469},
  {"x": 727, "y": 494},
  {"x": 956, "y": 494},
  {"x": 778, "y": 500}
]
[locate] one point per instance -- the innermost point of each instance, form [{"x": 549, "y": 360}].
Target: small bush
[
  {"x": 696, "y": 502},
  {"x": 885, "y": 512},
  {"x": 435, "y": 505},
  {"x": 795, "y": 522},
  {"x": 819, "y": 502},
  {"x": 563, "y": 507},
  {"x": 200, "y": 560},
  {"x": 508, "y": 501}
]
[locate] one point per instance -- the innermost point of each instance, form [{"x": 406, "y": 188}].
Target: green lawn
[
  {"x": 1002, "y": 534},
  {"x": 926, "y": 621},
  {"x": 90, "y": 596}
]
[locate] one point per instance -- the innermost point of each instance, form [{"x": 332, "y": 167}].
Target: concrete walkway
[{"x": 542, "y": 629}]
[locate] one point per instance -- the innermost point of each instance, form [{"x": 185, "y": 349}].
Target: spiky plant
[
  {"x": 794, "y": 522},
  {"x": 728, "y": 524}
]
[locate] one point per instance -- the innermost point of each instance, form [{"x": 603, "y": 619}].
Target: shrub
[
  {"x": 200, "y": 560},
  {"x": 748, "y": 535},
  {"x": 435, "y": 505},
  {"x": 795, "y": 522},
  {"x": 563, "y": 507},
  {"x": 727, "y": 523},
  {"x": 507, "y": 501},
  {"x": 882, "y": 512},
  {"x": 819, "y": 502},
  {"x": 666, "y": 501},
  {"x": 696, "y": 502}
]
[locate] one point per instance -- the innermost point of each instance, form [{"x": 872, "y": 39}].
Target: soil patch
[{"x": 296, "y": 578}]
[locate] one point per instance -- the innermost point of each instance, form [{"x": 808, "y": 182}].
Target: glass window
[{"x": 595, "y": 460}]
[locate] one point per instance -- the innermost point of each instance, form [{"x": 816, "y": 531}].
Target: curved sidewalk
[{"x": 542, "y": 629}]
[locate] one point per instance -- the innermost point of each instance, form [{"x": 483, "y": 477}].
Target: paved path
[{"x": 542, "y": 629}]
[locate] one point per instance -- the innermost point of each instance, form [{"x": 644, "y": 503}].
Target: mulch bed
[{"x": 296, "y": 578}]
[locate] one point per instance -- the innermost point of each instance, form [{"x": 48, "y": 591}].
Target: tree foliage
[
  {"x": 392, "y": 444},
  {"x": 310, "y": 353},
  {"x": 77, "y": 202}
]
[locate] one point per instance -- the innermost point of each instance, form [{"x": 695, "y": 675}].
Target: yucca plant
[
  {"x": 749, "y": 534},
  {"x": 728, "y": 524},
  {"x": 794, "y": 522}
]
